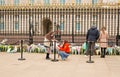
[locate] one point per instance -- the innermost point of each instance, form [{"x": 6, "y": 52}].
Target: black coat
[{"x": 92, "y": 34}]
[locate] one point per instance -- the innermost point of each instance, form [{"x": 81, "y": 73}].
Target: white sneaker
[{"x": 86, "y": 55}]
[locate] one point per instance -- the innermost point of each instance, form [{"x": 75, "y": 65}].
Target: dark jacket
[{"x": 92, "y": 34}]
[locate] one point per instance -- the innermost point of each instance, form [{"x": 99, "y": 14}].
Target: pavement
[{"x": 35, "y": 65}]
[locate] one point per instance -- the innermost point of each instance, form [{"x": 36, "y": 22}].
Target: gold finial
[
  {"x": 73, "y": 4},
  {"x": 118, "y": 2}
]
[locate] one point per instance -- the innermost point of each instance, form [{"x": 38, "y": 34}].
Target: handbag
[{"x": 46, "y": 42}]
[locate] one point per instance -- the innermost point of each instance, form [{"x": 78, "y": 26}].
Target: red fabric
[{"x": 65, "y": 48}]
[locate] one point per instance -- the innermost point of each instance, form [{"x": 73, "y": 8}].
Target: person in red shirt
[{"x": 64, "y": 50}]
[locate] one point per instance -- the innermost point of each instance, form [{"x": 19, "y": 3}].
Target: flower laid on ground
[{"x": 39, "y": 48}]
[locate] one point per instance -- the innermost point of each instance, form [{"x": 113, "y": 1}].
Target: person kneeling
[{"x": 64, "y": 50}]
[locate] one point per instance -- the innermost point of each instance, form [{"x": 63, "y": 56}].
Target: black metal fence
[{"x": 33, "y": 22}]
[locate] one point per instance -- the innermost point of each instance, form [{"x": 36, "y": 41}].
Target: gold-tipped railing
[{"x": 57, "y": 5}]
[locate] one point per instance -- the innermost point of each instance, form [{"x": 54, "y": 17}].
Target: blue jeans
[{"x": 63, "y": 55}]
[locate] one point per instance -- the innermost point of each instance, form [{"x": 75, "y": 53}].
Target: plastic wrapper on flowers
[
  {"x": 116, "y": 50},
  {"x": 26, "y": 48},
  {"x": 77, "y": 50},
  {"x": 3, "y": 48},
  {"x": 36, "y": 48},
  {"x": 39, "y": 48}
]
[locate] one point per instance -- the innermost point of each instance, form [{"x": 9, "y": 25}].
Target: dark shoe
[
  {"x": 48, "y": 58},
  {"x": 104, "y": 56},
  {"x": 101, "y": 56}
]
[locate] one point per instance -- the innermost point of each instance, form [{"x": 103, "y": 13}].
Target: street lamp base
[
  {"x": 54, "y": 60},
  {"x": 21, "y": 59},
  {"x": 90, "y": 61}
]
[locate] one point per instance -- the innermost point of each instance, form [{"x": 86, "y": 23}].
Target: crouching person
[{"x": 64, "y": 50}]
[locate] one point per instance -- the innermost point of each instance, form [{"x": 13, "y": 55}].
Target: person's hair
[
  {"x": 103, "y": 29},
  {"x": 65, "y": 41}
]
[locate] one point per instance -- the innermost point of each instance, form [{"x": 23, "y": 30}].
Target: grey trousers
[{"x": 91, "y": 48}]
